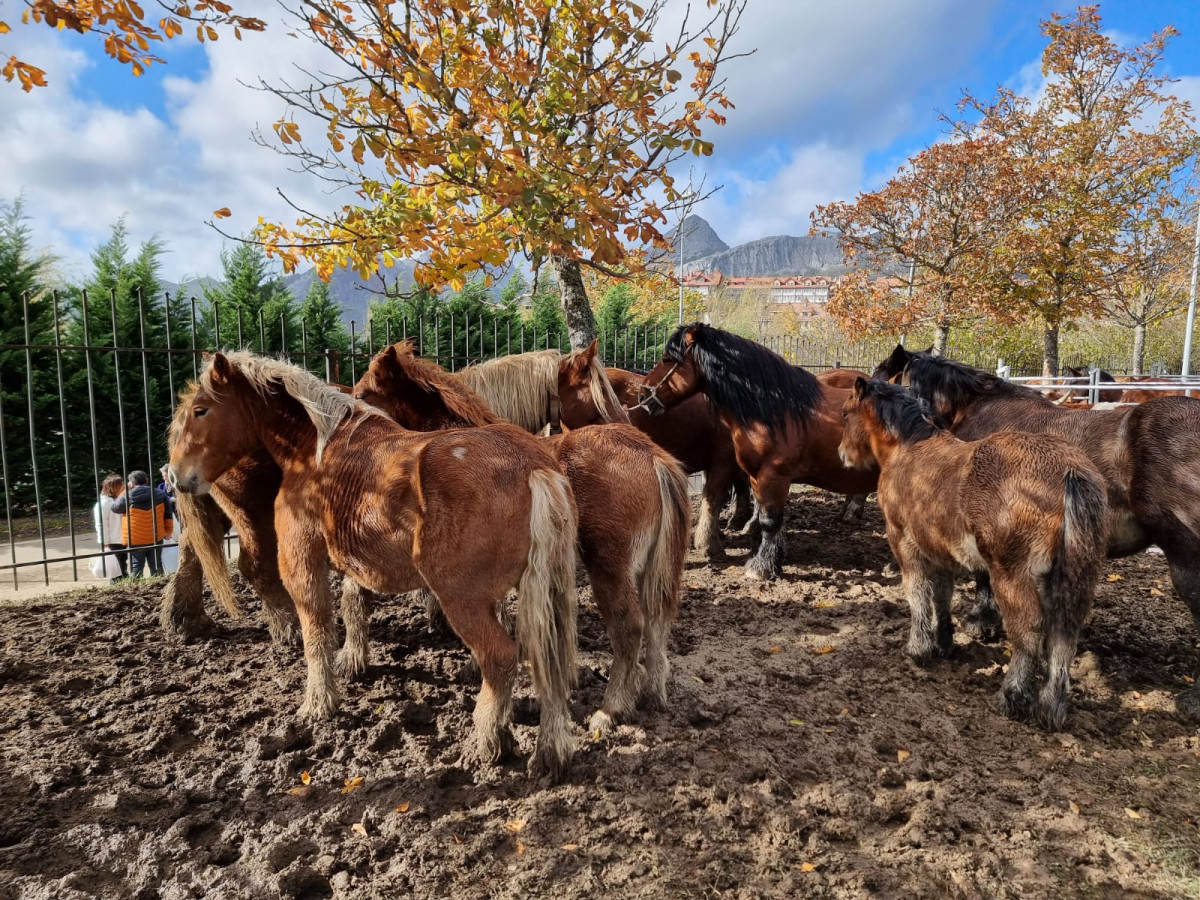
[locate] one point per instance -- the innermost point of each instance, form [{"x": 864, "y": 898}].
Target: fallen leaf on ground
[
  {"x": 305, "y": 777},
  {"x": 819, "y": 650},
  {"x": 776, "y": 649},
  {"x": 824, "y": 604},
  {"x": 1073, "y": 806},
  {"x": 1132, "y": 813},
  {"x": 1188, "y": 678},
  {"x": 1115, "y": 577},
  {"x": 902, "y": 755},
  {"x": 352, "y": 784},
  {"x": 457, "y": 839},
  {"x": 520, "y": 847},
  {"x": 301, "y": 791},
  {"x": 845, "y": 711},
  {"x": 1155, "y": 592},
  {"x": 515, "y": 825},
  {"x": 570, "y": 846},
  {"x": 807, "y": 867},
  {"x": 403, "y": 807},
  {"x": 359, "y": 828},
  {"x": 797, "y": 721}
]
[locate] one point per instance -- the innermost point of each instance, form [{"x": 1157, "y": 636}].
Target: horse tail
[
  {"x": 661, "y": 577},
  {"x": 1071, "y": 583},
  {"x": 546, "y": 607},
  {"x": 205, "y": 525}
]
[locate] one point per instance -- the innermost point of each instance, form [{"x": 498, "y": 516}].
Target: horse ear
[
  {"x": 861, "y": 387},
  {"x": 590, "y": 353},
  {"x": 387, "y": 363},
  {"x": 899, "y": 358},
  {"x": 928, "y": 349},
  {"x": 689, "y": 336},
  {"x": 221, "y": 370}
]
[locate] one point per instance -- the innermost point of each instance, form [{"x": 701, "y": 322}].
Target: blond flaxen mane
[
  {"x": 604, "y": 396},
  {"x": 522, "y": 388}
]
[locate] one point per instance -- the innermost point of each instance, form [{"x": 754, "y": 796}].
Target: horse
[
  {"x": 521, "y": 388},
  {"x": 1030, "y": 508},
  {"x": 634, "y": 514},
  {"x": 590, "y": 394},
  {"x": 397, "y": 510},
  {"x": 785, "y": 424},
  {"x": 1108, "y": 395},
  {"x": 1146, "y": 453}
]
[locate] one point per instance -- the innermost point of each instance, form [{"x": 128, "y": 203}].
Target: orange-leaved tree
[
  {"x": 931, "y": 227},
  {"x": 126, "y": 31},
  {"x": 472, "y": 131},
  {"x": 1103, "y": 138}
]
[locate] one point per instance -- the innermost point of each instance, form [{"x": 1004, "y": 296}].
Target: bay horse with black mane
[
  {"x": 1028, "y": 508},
  {"x": 634, "y": 514},
  {"x": 1146, "y": 453},
  {"x": 785, "y": 424},
  {"x": 396, "y": 511},
  {"x": 590, "y": 394}
]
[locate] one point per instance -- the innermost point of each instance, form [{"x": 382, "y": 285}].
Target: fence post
[{"x": 1093, "y": 385}]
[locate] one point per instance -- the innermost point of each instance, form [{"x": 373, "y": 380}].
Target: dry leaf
[
  {"x": 515, "y": 825},
  {"x": 305, "y": 777},
  {"x": 824, "y": 604},
  {"x": 776, "y": 649},
  {"x": 1132, "y": 813},
  {"x": 1115, "y": 577},
  {"x": 570, "y": 846},
  {"x": 807, "y": 867},
  {"x": 797, "y": 721},
  {"x": 457, "y": 839},
  {"x": 1188, "y": 679},
  {"x": 403, "y": 807},
  {"x": 520, "y": 848},
  {"x": 902, "y": 755},
  {"x": 1155, "y": 592},
  {"x": 299, "y": 791},
  {"x": 819, "y": 650},
  {"x": 352, "y": 784},
  {"x": 359, "y": 828},
  {"x": 1074, "y": 807},
  {"x": 845, "y": 711},
  {"x": 222, "y": 213}
]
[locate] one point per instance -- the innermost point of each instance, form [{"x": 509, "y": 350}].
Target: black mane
[
  {"x": 905, "y": 415},
  {"x": 745, "y": 379},
  {"x": 948, "y": 385}
]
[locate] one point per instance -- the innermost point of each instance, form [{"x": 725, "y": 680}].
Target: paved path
[{"x": 34, "y": 580}]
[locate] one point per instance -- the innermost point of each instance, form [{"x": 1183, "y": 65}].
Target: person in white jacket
[{"x": 108, "y": 523}]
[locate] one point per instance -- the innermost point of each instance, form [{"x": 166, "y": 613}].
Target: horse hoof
[
  {"x": 192, "y": 628},
  {"x": 757, "y": 570},
  {"x": 319, "y": 709},
  {"x": 653, "y": 700},
  {"x": 600, "y": 724},
  {"x": 284, "y": 634},
  {"x": 497, "y": 746},
  {"x": 1016, "y": 705},
  {"x": 549, "y": 767},
  {"x": 350, "y": 663},
  {"x": 1188, "y": 704},
  {"x": 984, "y": 630}
]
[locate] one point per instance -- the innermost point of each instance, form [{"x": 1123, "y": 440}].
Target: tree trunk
[
  {"x": 581, "y": 324},
  {"x": 1139, "y": 348},
  {"x": 941, "y": 339},
  {"x": 1050, "y": 351}
]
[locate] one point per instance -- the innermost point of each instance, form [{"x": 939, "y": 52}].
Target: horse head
[
  {"x": 676, "y": 376},
  {"x": 209, "y": 432},
  {"x": 585, "y": 395}
]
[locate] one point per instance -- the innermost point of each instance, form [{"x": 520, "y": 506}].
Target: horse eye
[{"x": 199, "y": 411}]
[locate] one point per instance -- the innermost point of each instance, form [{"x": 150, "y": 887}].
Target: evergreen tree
[
  {"x": 323, "y": 331},
  {"x": 255, "y": 307},
  {"x": 612, "y": 315},
  {"x": 27, "y": 378}
]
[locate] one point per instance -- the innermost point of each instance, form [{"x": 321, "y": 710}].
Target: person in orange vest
[{"x": 148, "y": 520}]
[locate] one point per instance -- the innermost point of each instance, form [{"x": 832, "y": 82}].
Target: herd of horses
[{"x": 449, "y": 486}]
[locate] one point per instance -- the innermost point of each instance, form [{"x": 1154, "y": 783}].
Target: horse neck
[
  {"x": 626, "y": 384},
  {"x": 282, "y": 427}
]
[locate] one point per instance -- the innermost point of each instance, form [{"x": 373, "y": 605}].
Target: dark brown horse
[
  {"x": 690, "y": 432},
  {"x": 1146, "y": 453},
  {"x": 1028, "y": 508},
  {"x": 633, "y": 517},
  {"x": 785, "y": 425},
  {"x": 396, "y": 511}
]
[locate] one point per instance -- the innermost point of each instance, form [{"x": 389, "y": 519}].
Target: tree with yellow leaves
[
  {"x": 473, "y": 131},
  {"x": 124, "y": 28}
]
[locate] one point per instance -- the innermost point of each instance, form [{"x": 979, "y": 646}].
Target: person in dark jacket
[{"x": 148, "y": 519}]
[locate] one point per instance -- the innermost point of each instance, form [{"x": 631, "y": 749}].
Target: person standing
[
  {"x": 148, "y": 519},
  {"x": 108, "y": 523}
]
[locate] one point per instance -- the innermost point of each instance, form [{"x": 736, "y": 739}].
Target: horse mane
[
  {"x": 460, "y": 400},
  {"x": 906, "y": 416},
  {"x": 949, "y": 385},
  {"x": 604, "y": 395},
  {"x": 325, "y": 405},
  {"x": 521, "y": 388},
  {"x": 745, "y": 379}
]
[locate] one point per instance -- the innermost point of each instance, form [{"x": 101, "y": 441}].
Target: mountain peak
[{"x": 698, "y": 237}]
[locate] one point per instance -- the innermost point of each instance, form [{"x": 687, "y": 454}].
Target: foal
[
  {"x": 1029, "y": 508},
  {"x": 633, "y": 519}
]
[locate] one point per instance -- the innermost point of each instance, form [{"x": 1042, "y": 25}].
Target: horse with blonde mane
[
  {"x": 633, "y": 519},
  {"x": 521, "y": 388},
  {"x": 396, "y": 511}
]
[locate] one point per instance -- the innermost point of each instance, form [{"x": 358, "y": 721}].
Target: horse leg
[
  {"x": 855, "y": 505},
  {"x": 654, "y": 682},
  {"x": 617, "y": 598},
  {"x": 352, "y": 658},
  {"x": 1021, "y": 606},
  {"x": 707, "y": 538},
  {"x": 928, "y": 591},
  {"x": 305, "y": 566},
  {"x": 1185, "y": 576},
  {"x": 983, "y": 620},
  {"x": 771, "y": 493},
  {"x": 743, "y": 507},
  {"x": 182, "y": 613},
  {"x": 258, "y": 561},
  {"x": 476, "y": 623}
]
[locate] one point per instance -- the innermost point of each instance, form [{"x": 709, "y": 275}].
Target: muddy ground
[{"x": 802, "y": 755}]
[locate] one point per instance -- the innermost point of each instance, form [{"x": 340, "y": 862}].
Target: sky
[{"x": 837, "y": 95}]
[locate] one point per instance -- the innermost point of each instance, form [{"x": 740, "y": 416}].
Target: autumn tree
[
  {"x": 1101, "y": 140},
  {"x": 125, "y": 30},
  {"x": 470, "y": 133},
  {"x": 919, "y": 245}
]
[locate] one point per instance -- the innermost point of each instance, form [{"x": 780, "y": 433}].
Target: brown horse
[
  {"x": 1146, "y": 453},
  {"x": 785, "y": 425},
  {"x": 633, "y": 517},
  {"x": 396, "y": 511},
  {"x": 690, "y": 432},
  {"x": 1030, "y": 508},
  {"x": 521, "y": 388}
]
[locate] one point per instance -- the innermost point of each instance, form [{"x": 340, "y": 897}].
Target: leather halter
[{"x": 653, "y": 393}]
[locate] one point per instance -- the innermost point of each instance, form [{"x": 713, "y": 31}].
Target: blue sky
[{"x": 836, "y": 97}]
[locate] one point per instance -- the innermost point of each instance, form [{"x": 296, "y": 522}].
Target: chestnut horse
[
  {"x": 396, "y": 510},
  {"x": 633, "y": 517},
  {"x": 690, "y": 432},
  {"x": 521, "y": 388},
  {"x": 785, "y": 424},
  {"x": 1030, "y": 508},
  {"x": 1146, "y": 453}
]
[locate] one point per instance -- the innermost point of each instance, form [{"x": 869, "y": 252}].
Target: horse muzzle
[{"x": 187, "y": 482}]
